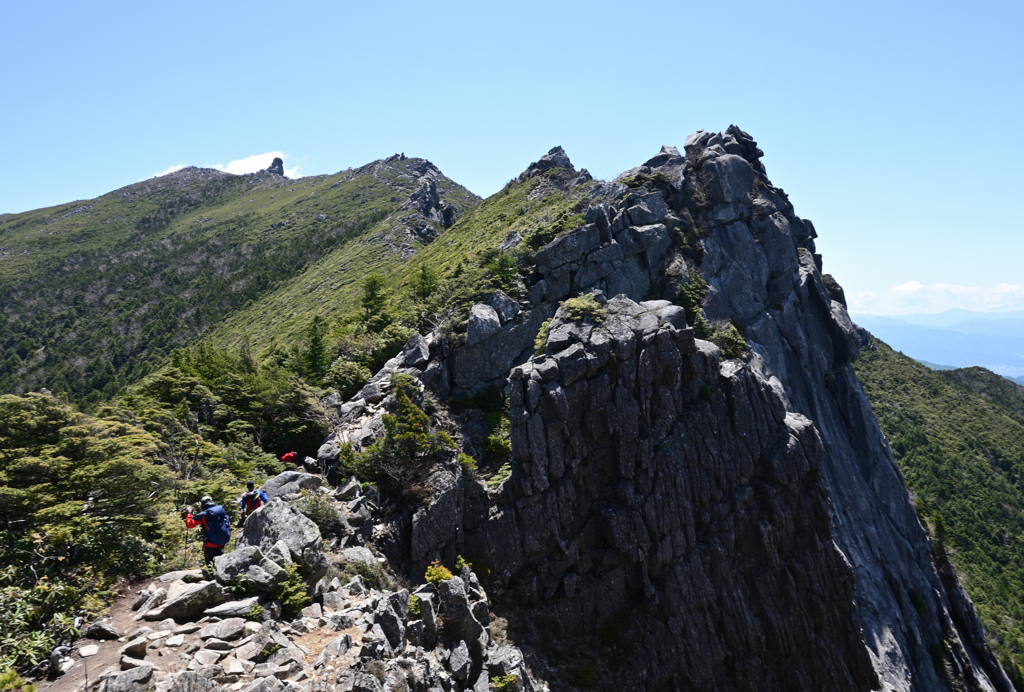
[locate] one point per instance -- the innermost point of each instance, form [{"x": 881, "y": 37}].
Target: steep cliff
[{"x": 709, "y": 519}]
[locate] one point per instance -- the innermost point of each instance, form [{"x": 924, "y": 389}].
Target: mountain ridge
[
  {"x": 229, "y": 240},
  {"x": 691, "y": 477}
]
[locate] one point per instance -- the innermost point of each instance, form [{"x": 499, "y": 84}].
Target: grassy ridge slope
[
  {"x": 958, "y": 438},
  {"x": 535, "y": 207},
  {"x": 96, "y": 294}
]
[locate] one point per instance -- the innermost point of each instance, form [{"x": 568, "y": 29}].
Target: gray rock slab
[
  {"x": 136, "y": 679},
  {"x": 227, "y": 630},
  {"x": 232, "y": 609},
  {"x": 248, "y": 563},
  {"x": 290, "y": 482},
  {"x": 191, "y": 603},
  {"x": 483, "y": 322}
]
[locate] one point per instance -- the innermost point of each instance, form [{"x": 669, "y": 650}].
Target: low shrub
[
  {"x": 498, "y": 445},
  {"x": 503, "y": 472},
  {"x": 255, "y": 612},
  {"x": 404, "y": 455},
  {"x": 347, "y": 377},
  {"x": 292, "y": 592},
  {"x": 584, "y": 306},
  {"x": 725, "y": 335},
  {"x": 415, "y": 607},
  {"x": 437, "y": 572},
  {"x": 505, "y": 683},
  {"x": 318, "y": 508},
  {"x": 540, "y": 341},
  {"x": 467, "y": 462},
  {"x": 641, "y": 179},
  {"x": 12, "y": 682},
  {"x": 373, "y": 576}
]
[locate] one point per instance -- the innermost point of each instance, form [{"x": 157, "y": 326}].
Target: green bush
[
  {"x": 292, "y": 592},
  {"x": 347, "y": 377},
  {"x": 728, "y": 339},
  {"x": 503, "y": 270},
  {"x": 467, "y": 462},
  {"x": 255, "y": 613},
  {"x": 403, "y": 381},
  {"x": 415, "y": 607},
  {"x": 565, "y": 221},
  {"x": 373, "y": 576},
  {"x": 540, "y": 341},
  {"x": 406, "y": 448},
  {"x": 12, "y": 682},
  {"x": 690, "y": 297},
  {"x": 503, "y": 472},
  {"x": 498, "y": 445},
  {"x": 584, "y": 306},
  {"x": 425, "y": 282},
  {"x": 641, "y": 179},
  {"x": 437, "y": 572},
  {"x": 505, "y": 683},
  {"x": 317, "y": 507}
]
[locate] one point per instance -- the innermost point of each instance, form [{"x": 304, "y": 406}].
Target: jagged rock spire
[{"x": 276, "y": 167}]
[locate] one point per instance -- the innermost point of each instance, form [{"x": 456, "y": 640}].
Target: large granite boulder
[
  {"x": 289, "y": 483},
  {"x": 483, "y": 321},
  {"x": 279, "y": 521},
  {"x": 248, "y": 563},
  {"x": 191, "y": 602},
  {"x": 137, "y": 679}
]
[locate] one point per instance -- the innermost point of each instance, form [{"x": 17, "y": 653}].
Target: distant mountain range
[{"x": 956, "y": 338}]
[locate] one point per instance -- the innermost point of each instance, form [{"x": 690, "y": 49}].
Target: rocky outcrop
[
  {"x": 276, "y": 167},
  {"x": 655, "y": 489},
  {"x": 760, "y": 262},
  {"x": 191, "y": 602},
  {"x": 691, "y": 503}
]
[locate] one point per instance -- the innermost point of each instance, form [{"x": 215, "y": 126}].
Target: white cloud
[
  {"x": 169, "y": 169},
  {"x": 257, "y": 162},
  {"x": 914, "y": 296}
]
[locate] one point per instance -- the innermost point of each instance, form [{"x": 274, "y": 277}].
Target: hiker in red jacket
[
  {"x": 289, "y": 458},
  {"x": 216, "y": 528}
]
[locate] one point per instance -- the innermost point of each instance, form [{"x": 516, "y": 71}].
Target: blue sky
[{"x": 893, "y": 126}]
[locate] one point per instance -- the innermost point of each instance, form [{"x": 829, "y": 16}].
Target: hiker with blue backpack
[{"x": 216, "y": 528}]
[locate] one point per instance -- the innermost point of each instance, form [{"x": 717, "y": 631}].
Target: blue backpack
[{"x": 219, "y": 531}]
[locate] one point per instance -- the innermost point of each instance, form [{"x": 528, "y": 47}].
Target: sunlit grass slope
[
  {"x": 958, "y": 437},
  {"x": 95, "y": 294}
]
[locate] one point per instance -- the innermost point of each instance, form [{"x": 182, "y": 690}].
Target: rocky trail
[{"x": 180, "y": 632}]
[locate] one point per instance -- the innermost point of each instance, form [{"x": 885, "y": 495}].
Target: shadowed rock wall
[{"x": 679, "y": 501}]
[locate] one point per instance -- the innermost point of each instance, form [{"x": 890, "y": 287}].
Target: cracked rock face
[
  {"x": 656, "y": 488},
  {"x": 691, "y": 504}
]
